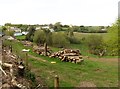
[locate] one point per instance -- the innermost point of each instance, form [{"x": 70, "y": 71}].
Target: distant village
[{"x": 21, "y": 29}]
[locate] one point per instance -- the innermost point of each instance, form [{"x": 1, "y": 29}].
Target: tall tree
[
  {"x": 58, "y": 26},
  {"x": 30, "y": 35}
]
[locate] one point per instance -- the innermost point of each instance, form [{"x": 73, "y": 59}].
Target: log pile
[
  {"x": 27, "y": 43},
  {"x": 41, "y": 50},
  {"x": 68, "y": 55},
  {"x": 10, "y": 67}
]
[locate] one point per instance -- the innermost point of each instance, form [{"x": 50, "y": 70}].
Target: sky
[{"x": 70, "y": 12}]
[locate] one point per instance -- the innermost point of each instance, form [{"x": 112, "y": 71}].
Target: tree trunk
[{"x": 45, "y": 46}]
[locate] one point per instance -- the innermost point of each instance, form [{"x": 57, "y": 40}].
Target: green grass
[
  {"x": 70, "y": 74},
  {"x": 20, "y": 37},
  {"x": 83, "y": 48}
]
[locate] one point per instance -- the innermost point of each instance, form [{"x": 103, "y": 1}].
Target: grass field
[
  {"x": 20, "y": 37},
  {"x": 102, "y": 74}
]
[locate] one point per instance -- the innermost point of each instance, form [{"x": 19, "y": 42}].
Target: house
[
  {"x": 38, "y": 28},
  {"x": 45, "y": 27},
  {"x": 51, "y": 30},
  {"x": 24, "y": 33},
  {"x": 103, "y": 29},
  {"x": 15, "y": 29},
  {"x": 18, "y": 34}
]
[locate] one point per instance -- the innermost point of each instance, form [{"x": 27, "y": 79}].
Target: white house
[
  {"x": 15, "y": 29},
  {"x": 51, "y": 30},
  {"x": 24, "y": 33},
  {"x": 38, "y": 28},
  {"x": 45, "y": 27}
]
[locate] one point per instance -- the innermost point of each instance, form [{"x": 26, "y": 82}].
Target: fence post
[
  {"x": 26, "y": 59},
  {"x": 56, "y": 82},
  {"x": 45, "y": 46},
  {"x": 11, "y": 48}
]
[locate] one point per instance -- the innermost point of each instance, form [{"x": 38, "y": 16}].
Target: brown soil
[{"x": 31, "y": 56}]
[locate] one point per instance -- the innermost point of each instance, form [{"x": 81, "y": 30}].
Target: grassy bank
[{"x": 101, "y": 74}]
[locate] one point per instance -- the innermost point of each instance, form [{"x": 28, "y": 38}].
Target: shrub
[
  {"x": 59, "y": 40},
  {"x": 39, "y": 37},
  {"x": 74, "y": 40},
  {"x": 30, "y": 35},
  {"x": 111, "y": 40},
  {"x": 95, "y": 44},
  {"x": 9, "y": 33}
]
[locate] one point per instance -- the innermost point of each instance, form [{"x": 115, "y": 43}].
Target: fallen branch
[{"x": 3, "y": 71}]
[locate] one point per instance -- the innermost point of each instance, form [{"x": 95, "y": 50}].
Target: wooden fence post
[
  {"x": 45, "y": 46},
  {"x": 56, "y": 82},
  {"x": 11, "y": 48},
  {"x": 26, "y": 59}
]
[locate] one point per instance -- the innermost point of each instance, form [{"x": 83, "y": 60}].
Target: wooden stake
[
  {"x": 26, "y": 59},
  {"x": 45, "y": 45},
  {"x": 56, "y": 82}
]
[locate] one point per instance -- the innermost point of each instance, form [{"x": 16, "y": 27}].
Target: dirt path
[
  {"x": 40, "y": 59},
  {"x": 107, "y": 60}
]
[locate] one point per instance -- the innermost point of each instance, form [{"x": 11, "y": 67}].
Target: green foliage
[
  {"x": 3, "y": 28},
  {"x": 70, "y": 36},
  {"x": 59, "y": 40},
  {"x": 7, "y": 24},
  {"x": 39, "y": 37},
  {"x": 30, "y": 35},
  {"x": 111, "y": 40},
  {"x": 29, "y": 75},
  {"x": 101, "y": 73},
  {"x": 21, "y": 37},
  {"x": 57, "y": 26},
  {"x": 9, "y": 33},
  {"x": 95, "y": 44},
  {"x": 42, "y": 36},
  {"x": 24, "y": 27},
  {"x": 74, "y": 40}
]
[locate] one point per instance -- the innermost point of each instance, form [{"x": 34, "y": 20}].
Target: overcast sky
[{"x": 75, "y": 12}]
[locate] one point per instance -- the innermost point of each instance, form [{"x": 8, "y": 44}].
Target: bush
[
  {"x": 29, "y": 75},
  {"x": 111, "y": 40},
  {"x": 95, "y": 44},
  {"x": 74, "y": 40},
  {"x": 9, "y": 33},
  {"x": 30, "y": 35},
  {"x": 39, "y": 37},
  {"x": 59, "y": 40}
]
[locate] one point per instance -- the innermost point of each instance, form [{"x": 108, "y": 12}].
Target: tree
[
  {"x": 24, "y": 27},
  {"x": 59, "y": 40},
  {"x": 39, "y": 37},
  {"x": 30, "y": 35},
  {"x": 7, "y": 24},
  {"x": 43, "y": 37},
  {"x": 9, "y": 33},
  {"x": 76, "y": 28},
  {"x": 46, "y": 31},
  {"x": 111, "y": 39},
  {"x": 57, "y": 26},
  {"x": 83, "y": 29}
]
